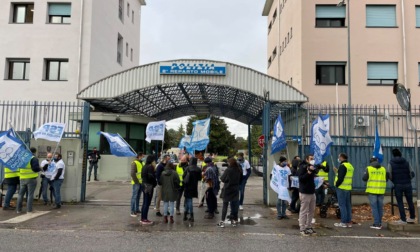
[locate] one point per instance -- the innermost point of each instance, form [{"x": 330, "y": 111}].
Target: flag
[
  {"x": 13, "y": 152},
  {"x": 320, "y": 138},
  {"x": 200, "y": 134},
  {"x": 185, "y": 143},
  {"x": 52, "y": 131},
  {"x": 155, "y": 131},
  {"x": 377, "y": 148},
  {"x": 118, "y": 146},
  {"x": 278, "y": 142}
]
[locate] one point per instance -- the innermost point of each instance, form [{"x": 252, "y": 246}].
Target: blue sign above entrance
[{"x": 192, "y": 68}]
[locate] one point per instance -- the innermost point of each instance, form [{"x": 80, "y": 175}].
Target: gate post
[
  {"x": 84, "y": 146},
  {"x": 249, "y": 145},
  {"x": 266, "y": 133}
]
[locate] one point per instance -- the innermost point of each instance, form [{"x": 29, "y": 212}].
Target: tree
[
  {"x": 256, "y": 132},
  {"x": 241, "y": 144},
  {"x": 180, "y": 133},
  {"x": 221, "y": 140},
  {"x": 171, "y": 139}
]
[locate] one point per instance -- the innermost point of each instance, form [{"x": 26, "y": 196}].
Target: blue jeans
[
  {"x": 57, "y": 191},
  {"x": 377, "y": 205},
  {"x": 135, "y": 198},
  {"x": 188, "y": 205},
  {"x": 95, "y": 170},
  {"x": 281, "y": 208},
  {"x": 345, "y": 205},
  {"x": 242, "y": 188},
  {"x": 11, "y": 189},
  {"x": 26, "y": 186},
  {"x": 407, "y": 190},
  {"x": 44, "y": 185},
  {"x": 168, "y": 206},
  {"x": 147, "y": 199}
]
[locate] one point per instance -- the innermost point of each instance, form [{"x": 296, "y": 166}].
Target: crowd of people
[{"x": 310, "y": 196}]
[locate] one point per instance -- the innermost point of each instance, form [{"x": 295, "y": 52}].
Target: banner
[
  {"x": 200, "y": 134},
  {"x": 52, "y": 131},
  {"x": 278, "y": 142},
  {"x": 320, "y": 138},
  {"x": 13, "y": 152},
  {"x": 118, "y": 146},
  {"x": 377, "y": 148},
  {"x": 295, "y": 181},
  {"x": 280, "y": 182},
  {"x": 155, "y": 131}
]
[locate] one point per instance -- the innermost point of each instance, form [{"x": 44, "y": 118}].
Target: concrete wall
[{"x": 112, "y": 168}]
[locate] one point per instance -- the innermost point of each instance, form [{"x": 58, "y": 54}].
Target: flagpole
[
  {"x": 336, "y": 118},
  {"x": 131, "y": 148},
  {"x": 11, "y": 126}
]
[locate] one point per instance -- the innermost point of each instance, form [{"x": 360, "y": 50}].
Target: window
[
  {"x": 121, "y": 10},
  {"x": 291, "y": 32},
  {"x": 418, "y": 16},
  {"x": 269, "y": 27},
  {"x": 23, "y": 13},
  {"x": 119, "y": 49},
  {"x": 59, "y": 13},
  {"x": 291, "y": 81},
  {"x": 128, "y": 9},
  {"x": 132, "y": 17},
  {"x": 274, "y": 53},
  {"x": 330, "y": 16},
  {"x": 380, "y": 16},
  {"x": 57, "y": 69},
  {"x": 131, "y": 54},
  {"x": 274, "y": 16},
  {"x": 382, "y": 72},
  {"x": 19, "y": 69},
  {"x": 330, "y": 72},
  {"x": 126, "y": 49},
  {"x": 269, "y": 61}
]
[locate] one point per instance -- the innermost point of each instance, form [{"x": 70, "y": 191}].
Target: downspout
[
  {"x": 404, "y": 43},
  {"x": 80, "y": 47}
]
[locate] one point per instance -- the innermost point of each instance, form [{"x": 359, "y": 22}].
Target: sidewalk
[{"x": 108, "y": 209}]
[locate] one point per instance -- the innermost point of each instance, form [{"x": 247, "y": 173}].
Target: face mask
[
  {"x": 312, "y": 162},
  {"x": 338, "y": 160},
  {"x": 55, "y": 159},
  {"x": 283, "y": 164}
]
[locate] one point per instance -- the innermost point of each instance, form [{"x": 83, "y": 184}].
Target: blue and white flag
[
  {"x": 13, "y": 152},
  {"x": 118, "y": 146},
  {"x": 185, "y": 143},
  {"x": 278, "y": 142},
  {"x": 52, "y": 131},
  {"x": 155, "y": 131},
  {"x": 321, "y": 139},
  {"x": 377, "y": 148},
  {"x": 200, "y": 134}
]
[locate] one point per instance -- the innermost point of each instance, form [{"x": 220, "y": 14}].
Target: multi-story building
[
  {"x": 52, "y": 49},
  {"x": 308, "y": 48}
]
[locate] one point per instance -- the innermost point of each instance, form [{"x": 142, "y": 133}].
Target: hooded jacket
[
  {"x": 194, "y": 175},
  {"x": 170, "y": 184},
  {"x": 306, "y": 180},
  {"x": 400, "y": 171}
]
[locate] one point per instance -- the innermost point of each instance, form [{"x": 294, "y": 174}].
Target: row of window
[
  {"x": 376, "y": 16},
  {"x": 121, "y": 11},
  {"x": 282, "y": 46},
  {"x": 378, "y": 73},
  {"x": 58, "y": 13},
  {"x": 120, "y": 43},
  {"x": 19, "y": 69},
  {"x": 275, "y": 15}
]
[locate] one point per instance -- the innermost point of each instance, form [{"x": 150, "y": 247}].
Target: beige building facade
[
  {"x": 52, "y": 49},
  {"x": 308, "y": 48}
]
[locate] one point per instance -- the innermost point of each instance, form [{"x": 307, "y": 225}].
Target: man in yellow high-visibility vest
[
  {"x": 11, "y": 179},
  {"x": 136, "y": 182},
  {"x": 322, "y": 171},
  {"x": 343, "y": 183},
  {"x": 180, "y": 168},
  {"x": 376, "y": 177}
]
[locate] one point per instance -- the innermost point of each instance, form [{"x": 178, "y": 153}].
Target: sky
[{"x": 224, "y": 30}]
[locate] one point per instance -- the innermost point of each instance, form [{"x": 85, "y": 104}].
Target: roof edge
[{"x": 267, "y": 7}]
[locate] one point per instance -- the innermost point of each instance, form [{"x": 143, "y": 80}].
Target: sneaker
[
  {"x": 280, "y": 217},
  {"x": 234, "y": 223},
  {"x": 411, "y": 221},
  {"x": 311, "y": 231},
  {"x": 343, "y": 225},
  {"x": 241, "y": 207},
  {"x": 221, "y": 224},
  {"x": 286, "y": 217},
  {"x": 349, "y": 225},
  {"x": 146, "y": 222},
  {"x": 305, "y": 233},
  {"x": 9, "y": 208},
  {"x": 158, "y": 214},
  {"x": 399, "y": 222},
  {"x": 374, "y": 226},
  {"x": 178, "y": 212},
  {"x": 133, "y": 215}
]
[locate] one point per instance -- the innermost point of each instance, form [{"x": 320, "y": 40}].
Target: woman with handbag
[
  {"x": 149, "y": 182},
  {"x": 170, "y": 185}
]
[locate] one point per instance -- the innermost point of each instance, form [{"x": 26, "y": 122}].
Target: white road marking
[
  {"x": 24, "y": 217},
  {"x": 377, "y": 237}
]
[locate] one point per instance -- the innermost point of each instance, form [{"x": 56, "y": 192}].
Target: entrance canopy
[{"x": 171, "y": 89}]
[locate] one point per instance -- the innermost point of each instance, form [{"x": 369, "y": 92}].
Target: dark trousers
[
  {"x": 295, "y": 197},
  {"x": 234, "y": 205},
  {"x": 407, "y": 190},
  {"x": 178, "y": 200},
  {"x": 147, "y": 199},
  {"x": 320, "y": 195}
]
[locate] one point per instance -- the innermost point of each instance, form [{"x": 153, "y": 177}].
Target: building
[
  {"x": 52, "y": 49},
  {"x": 307, "y": 48}
]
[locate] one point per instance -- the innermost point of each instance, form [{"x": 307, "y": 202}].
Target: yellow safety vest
[
  {"x": 348, "y": 179},
  {"x": 321, "y": 172},
  {"x": 10, "y": 174},
  {"x": 377, "y": 180},
  {"x": 27, "y": 173},
  {"x": 139, "y": 166},
  {"x": 180, "y": 172}
]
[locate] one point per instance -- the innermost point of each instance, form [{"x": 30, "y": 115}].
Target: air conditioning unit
[{"x": 361, "y": 121}]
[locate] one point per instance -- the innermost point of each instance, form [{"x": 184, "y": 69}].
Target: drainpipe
[
  {"x": 404, "y": 43},
  {"x": 80, "y": 46}
]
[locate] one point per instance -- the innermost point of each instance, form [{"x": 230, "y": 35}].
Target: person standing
[
  {"x": 306, "y": 174},
  {"x": 343, "y": 183},
  {"x": 93, "y": 157},
  {"x": 149, "y": 183},
  {"x": 46, "y": 170},
  {"x": 246, "y": 172},
  {"x": 212, "y": 173},
  {"x": 11, "y": 179},
  {"x": 322, "y": 171},
  {"x": 191, "y": 177},
  {"x": 231, "y": 179},
  {"x": 170, "y": 185},
  {"x": 401, "y": 175},
  {"x": 136, "y": 182},
  {"x": 180, "y": 169},
  {"x": 295, "y": 191},
  {"x": 159, "y": 170},
  {"x": 282, "y": 172},
  {"x": 28, "y": 176},
  {"x": 376, "y": 177},
  {"x": 57, "y": 178}
]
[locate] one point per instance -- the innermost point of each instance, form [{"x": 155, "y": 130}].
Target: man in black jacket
[
  {"x": 306, "y": 175},
  {"x": 93, "y": 157},
  {"x": 159, "y": 170}
]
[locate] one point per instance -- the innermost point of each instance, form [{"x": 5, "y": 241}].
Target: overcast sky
[{"x": 224, "y": 30}]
